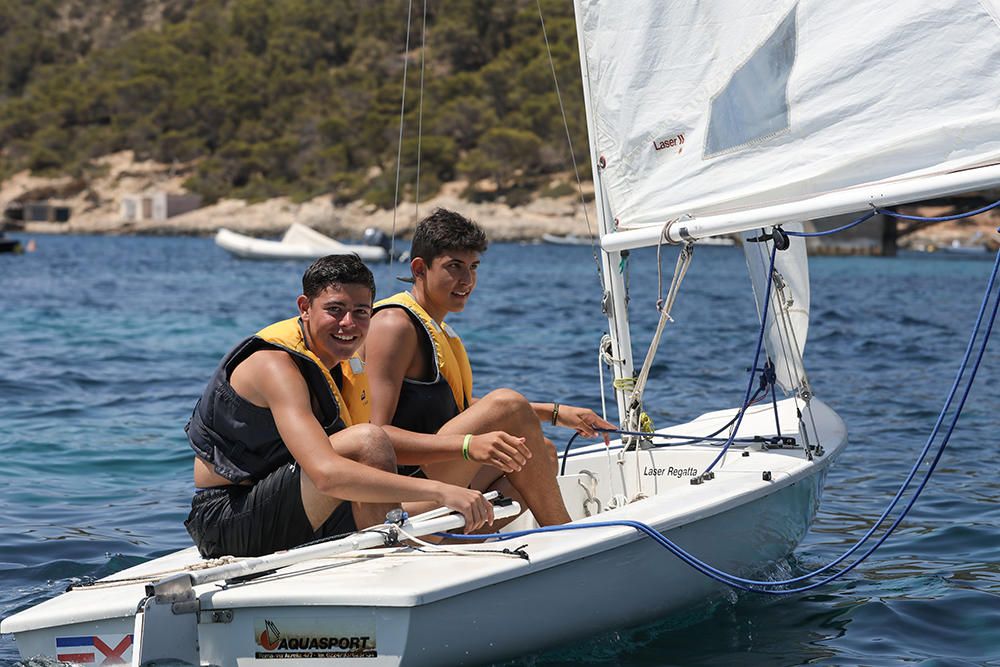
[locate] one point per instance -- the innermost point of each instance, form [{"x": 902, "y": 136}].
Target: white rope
[
  {"x": 156, "y": 576},
  {"x": 438, "y": 549},
  {"x": 790, "y": 353},
  {"x": 600, "y": 378},
  {"x": 803, "y": 389},
  {"x": 604, "y": 355}
]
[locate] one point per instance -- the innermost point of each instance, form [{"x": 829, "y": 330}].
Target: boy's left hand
[{"x": 583, "y": 420}]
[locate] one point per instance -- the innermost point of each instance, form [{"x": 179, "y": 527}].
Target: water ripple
[{"x": 108, "y": 342}]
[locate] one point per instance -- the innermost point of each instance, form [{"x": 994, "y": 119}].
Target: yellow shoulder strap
[
  {"x": 355, "y": 390},
  {"x": 463, "y": 363},
  {"x": 353, "y": 400},
  {"x": 449, "y": 352}
]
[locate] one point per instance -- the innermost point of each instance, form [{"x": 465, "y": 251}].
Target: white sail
[
  {"x": 704, "y": 108},
  {"x": 788, "y": 308}
]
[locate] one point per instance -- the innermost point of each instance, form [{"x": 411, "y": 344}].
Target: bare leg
[
  {"x": 365, "y": 444},
  {"x": 507, "y": 410}
]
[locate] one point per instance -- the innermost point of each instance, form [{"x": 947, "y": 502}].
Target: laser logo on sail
[{"x": 675, "y": 141}]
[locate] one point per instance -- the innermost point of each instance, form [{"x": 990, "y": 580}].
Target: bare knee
[
  {"x": 367, "y": 444},
  {"x": 550, "y": 451},
  {"x": 511, "y": 403}
]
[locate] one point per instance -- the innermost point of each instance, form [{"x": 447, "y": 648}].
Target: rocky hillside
[
  {"x": 275, "y": 112},
  {"x": 253, "y": 99}
]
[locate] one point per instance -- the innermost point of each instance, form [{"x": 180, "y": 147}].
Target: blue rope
[
  {"x": 893, "y": 214},
  {"x": 676, "y": 439},
  {"x": 764, "y": 586},
  {"x": 772, "y": 379},
  {"x": 941, "y": 218},
  {"x": 747, "y": 398},
  {"x": 866, "y": 216},
  {"x": 756, "y": 356}
]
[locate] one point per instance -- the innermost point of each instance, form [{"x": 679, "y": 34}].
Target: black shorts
[
  {"x": 411, "y": 471},
  {"x": 241, "y": 520}
]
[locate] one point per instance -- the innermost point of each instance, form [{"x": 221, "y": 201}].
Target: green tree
[
  {"x": 296, "y": 98},
  {"x": 502, "y": 154}
]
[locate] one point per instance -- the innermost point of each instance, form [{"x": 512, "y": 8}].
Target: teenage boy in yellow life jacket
[
  {"x": 421, "y": 383},
  {"x": 284, "y": 453}
]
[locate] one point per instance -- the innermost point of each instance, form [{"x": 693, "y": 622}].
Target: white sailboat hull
[
  {"x": 297, "y": 245},
  {"x": 409, "y": 608}
]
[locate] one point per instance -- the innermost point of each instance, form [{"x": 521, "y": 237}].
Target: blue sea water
[{"x": 108, "y": 341}]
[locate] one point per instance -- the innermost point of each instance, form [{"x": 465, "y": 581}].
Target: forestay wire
[
  {"x": 420, "y": 112},
  {"x": 569, "y": 143},
  {"x": 777, "y": 587},
  {"x": 402, "y": 113}
]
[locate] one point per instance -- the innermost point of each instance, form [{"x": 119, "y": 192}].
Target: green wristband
[{"x": 465, "y": 446}]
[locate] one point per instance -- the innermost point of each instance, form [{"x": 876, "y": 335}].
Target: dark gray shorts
[{"x": 240, "y": 520}]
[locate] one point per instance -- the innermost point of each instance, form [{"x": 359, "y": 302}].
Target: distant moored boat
[{"x": 299, "y": 242}]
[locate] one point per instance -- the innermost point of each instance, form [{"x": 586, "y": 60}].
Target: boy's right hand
[
  {"x": 501, "y": 450},
  {"x": 471, "y": 504}
]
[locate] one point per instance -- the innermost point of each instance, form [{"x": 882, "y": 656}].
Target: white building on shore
[{"x": 156, "y": 205}]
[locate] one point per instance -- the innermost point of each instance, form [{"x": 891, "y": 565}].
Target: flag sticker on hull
[{"x": 95, "y": 649}]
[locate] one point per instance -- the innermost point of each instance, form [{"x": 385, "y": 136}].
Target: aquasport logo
[
  {"x": 315, "y": 638},
  {"x": 268, "y": 639}
]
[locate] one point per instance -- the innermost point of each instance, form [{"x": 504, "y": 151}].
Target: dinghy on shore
[{"x": 299, "y": 242}]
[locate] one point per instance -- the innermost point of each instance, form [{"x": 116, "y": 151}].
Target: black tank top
[
  {"x": 240, "y": 439},
  {"x": 424, "y": 405}
]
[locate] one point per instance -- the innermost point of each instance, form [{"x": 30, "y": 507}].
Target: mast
[{"x": 613, "y": 301}]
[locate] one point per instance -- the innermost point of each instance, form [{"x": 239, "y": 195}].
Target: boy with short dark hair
[
  {"x": 284, "y": 453},
  {"x": 421, "y": 383}
]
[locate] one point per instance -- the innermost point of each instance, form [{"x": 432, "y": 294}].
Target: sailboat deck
[{"x": 402, "y": 577}]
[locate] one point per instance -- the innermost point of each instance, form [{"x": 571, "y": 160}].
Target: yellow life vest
[
  {"x": 449, "y": 353},
  {"x": 352, "y": 397}
]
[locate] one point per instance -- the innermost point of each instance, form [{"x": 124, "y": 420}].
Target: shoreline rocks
[{"x": 95, "y": 206}]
